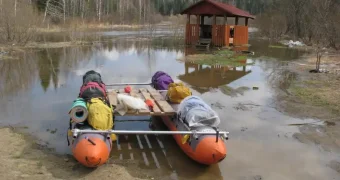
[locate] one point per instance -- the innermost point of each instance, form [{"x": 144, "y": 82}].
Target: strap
[
  {"x": 69, "y": 128},
  {"x": 68, "y": 141},
  {"x": 217, "y": 133}
]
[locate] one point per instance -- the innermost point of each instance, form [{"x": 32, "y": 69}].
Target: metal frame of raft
[
  {"x": 217, "y": 133},
  {"x": 161, "y": 108},
  {"x": 201, "y": 148}
]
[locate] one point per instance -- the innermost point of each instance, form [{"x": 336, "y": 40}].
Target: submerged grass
[
  {"x": 277, "y": 46},
  {"x": 229, "y": 91},
  {"x": 223, "y": 57}
]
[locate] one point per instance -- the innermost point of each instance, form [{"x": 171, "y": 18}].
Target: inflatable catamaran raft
[{"x": 200, "y": 140}]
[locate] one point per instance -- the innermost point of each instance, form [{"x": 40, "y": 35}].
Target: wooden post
[
  {"x": 188, "y": 31},
  {"x": 198, "y": 27},
  {"x": 236, "y": 20},
  {"x": 202, "y": 20},
  {"x": 246, "y": 22},
  {"x": 213, "y": 31},
  {"x": 225, "y": 20},
  {"x": 186, "y": 68}
]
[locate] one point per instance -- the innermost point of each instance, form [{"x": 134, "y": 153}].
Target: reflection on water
[
  {"x": 37, "y": 91},
  {"x": 203, "y": 77},
  {"x": 263, "y": 51}
]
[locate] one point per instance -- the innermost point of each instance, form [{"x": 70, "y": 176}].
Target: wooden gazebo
[{"x": 215, "y": 34}]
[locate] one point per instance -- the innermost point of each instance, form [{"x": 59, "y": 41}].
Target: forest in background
[
  {"x": 131, "y": 11},
  {"x": 21, "y": 20},
  {"x": 311, "y": 21},
  {"x": 315, "y": 22}
]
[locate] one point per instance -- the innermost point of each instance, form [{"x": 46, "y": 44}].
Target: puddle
[{"x": 37, "y": 91}]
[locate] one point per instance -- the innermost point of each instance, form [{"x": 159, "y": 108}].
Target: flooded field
[{"x": 37, "y": 91}]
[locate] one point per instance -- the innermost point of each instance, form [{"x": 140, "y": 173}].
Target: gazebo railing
[{"x": 192, "y": 34}]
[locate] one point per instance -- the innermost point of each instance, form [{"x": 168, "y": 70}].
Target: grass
[
  {"x": 223, "y": 57},
  {"x": 318, "y": 92},
  {"x": 229, "y": 91},
  {"x": 276, "y": 46}
]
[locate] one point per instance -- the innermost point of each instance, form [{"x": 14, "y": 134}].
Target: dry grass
[
  {"x": 24, "y": 159},
  {"x": 318, "y": 89}
]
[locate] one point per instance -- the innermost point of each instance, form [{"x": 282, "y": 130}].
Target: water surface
[{"x": 37, "y": 91}]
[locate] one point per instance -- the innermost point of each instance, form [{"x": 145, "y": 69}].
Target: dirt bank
[
  {"x": 314, "y": 96},
  {"x": 23, "y": 159}
]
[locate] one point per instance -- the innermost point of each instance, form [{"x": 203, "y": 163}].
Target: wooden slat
[
  {"x": 156, "y": 109},
  {"x": 155, "y": 94},
  {"x": 113, "y": 98},
  {"x": 123, "y": 91},
  {"x": 161, "y": 107},
  {"x": 165, "y": 107}
]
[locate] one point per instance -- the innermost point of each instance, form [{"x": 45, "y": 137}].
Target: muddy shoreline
[
  {"x": 23, "y": 158},
  {"x": 312, "y": 96}
]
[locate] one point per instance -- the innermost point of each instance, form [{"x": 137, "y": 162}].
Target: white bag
[{"x": 127, "y": 102}]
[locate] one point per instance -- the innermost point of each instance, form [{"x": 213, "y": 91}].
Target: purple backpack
[{"x": 161, "y": 80}]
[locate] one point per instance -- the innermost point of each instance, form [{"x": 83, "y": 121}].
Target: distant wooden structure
[{"x": 216, "y": 34}]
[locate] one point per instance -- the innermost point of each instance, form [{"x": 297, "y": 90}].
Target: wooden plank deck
[{"x": 161, "y": 106}]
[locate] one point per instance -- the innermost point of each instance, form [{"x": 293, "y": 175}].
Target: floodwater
[{"x": 37, "y": 91}]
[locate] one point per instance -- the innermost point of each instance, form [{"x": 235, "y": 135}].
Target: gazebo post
[
  {"x": 202, "y": 19},
  {"x": 213, "y": 31},
  {"x": 197, "y": 34},
  {"x": 188, "y": 31},
  {"x": 202, "y": 26},
  {"x": 226, "y": 29},
  {"x": 186, "y": 66},
  {"x": 236, "y": 20},
  {"x": 246, "y": 22}
]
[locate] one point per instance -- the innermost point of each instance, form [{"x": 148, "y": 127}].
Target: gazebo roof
[{"x": 212, "y": 7}]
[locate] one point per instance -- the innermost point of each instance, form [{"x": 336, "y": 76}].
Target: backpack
[
  {"x": 100, "y": 115},
  {"x": 92, "y": 89},
  {"x": 177, "y": 92},
  {"x": 92, "y": 76},
  {"x": 161, "y": 80}
]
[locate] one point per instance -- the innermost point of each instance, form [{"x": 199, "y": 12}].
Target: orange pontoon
[
  {"x": 91, "y": 149},
  {"x": 205, "y": 149}
]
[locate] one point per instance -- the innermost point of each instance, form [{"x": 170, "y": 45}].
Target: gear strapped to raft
[
  {"x": 161, "y": 108},
  {"x": 191, "y": 121}
]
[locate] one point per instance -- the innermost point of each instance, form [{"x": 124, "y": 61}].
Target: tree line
[
  {"x": 313, "y": 21},
  {"x": 136, "y": 11}
]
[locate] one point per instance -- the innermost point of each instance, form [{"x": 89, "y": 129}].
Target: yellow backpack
[
  {"x": 100, "y": 115},
  {"x": 177, "y": 92}
]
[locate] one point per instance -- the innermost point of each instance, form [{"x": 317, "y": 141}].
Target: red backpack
[{"x": 92, "y": 89}]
